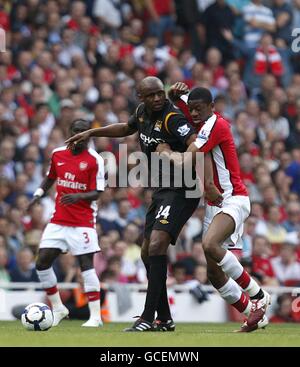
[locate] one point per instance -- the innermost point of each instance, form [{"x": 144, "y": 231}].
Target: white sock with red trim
[
  {"x": 233, "y": 295},
  {"x": 232, "y": 267},
  {"x": 92, "y": 291},
  {"x": 49, "y": 283}
]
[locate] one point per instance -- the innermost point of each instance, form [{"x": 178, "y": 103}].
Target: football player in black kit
[{"x": 157, "y": 120}]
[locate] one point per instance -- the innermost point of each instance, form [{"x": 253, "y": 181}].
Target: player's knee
[
  {"x": 42, "y": 263},
  {"x": 210, "y": 247},
  {"x": 159, "y": 243},
  {"x": 157, "y": 247}
]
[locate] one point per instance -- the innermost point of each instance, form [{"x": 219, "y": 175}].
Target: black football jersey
[{"x": 166, "y": 126}]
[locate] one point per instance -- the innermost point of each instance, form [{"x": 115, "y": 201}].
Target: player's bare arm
[
  {"x": 41, "y": 191},
  {"x": 212, "y": 193},
  {"x": 118, "y": 130},
  {"x": 69, "y": 199}
]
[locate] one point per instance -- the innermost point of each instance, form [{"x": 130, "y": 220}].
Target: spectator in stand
[
  {"x": 262, "y": 59},
  {"x": 272, "y": 229},
  {"x": 162, "y": 18},
  {"x": 178, "y": 274},
  {"x": 283, "y": 14},
  {"x": 132, "y": 253},
  {"x": 292, "y": 224},
  {"x": 284, "y": 311},
  {"x": 286, "y": 267},
  {"x": 261, "y": 263},
  {"x": 293, "y": 170},
  {"x": 258, "y": 19},
  {"x": 247, "y": 238},
  {"x": 279, "y": 124},
  {"x": 217, "y": 18},
  {"x": 4, "y": 274},
  {"x": 101, "y": 258},
  {"x": 114, "y": 264},
  {"x": 24, "y": 270},
  {"x": 7, "y": 152}
]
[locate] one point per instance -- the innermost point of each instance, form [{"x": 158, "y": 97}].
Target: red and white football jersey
[
  {"x": 80, "y": 173},
  {"x": 215, "y": 136}
]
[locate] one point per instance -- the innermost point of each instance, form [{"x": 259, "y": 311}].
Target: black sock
[
  {"x": 259, "y": 295},
  {"x": 163, "y": 308},
  {"x": 147, "y": 266},
  {"x": 156, "y": 279}
]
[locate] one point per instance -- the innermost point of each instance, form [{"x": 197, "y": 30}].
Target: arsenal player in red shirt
[
  {"x": 79, "y": 177},
  {"x": 223, "y": 226}
]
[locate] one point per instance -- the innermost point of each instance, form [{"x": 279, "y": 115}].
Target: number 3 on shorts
[
  {"x": 86, "y": 237},
  {"x": 163, "y": 212}
]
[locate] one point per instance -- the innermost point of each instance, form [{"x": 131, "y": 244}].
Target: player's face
[
  {"x": 199, "y": 110},
  {"x": 80, "y": 127},
  {"x": 154, "y": 97}
]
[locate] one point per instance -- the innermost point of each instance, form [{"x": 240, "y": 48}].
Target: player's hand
[
  {"x": 69, "y": 199},
  {"x": 162, "y": 147},
  {"x": 35, "y": 200},
  {"x": 77, "y": 138},
  {"x": 177, "y": 90},
  {"x": 213, "y": 195}
]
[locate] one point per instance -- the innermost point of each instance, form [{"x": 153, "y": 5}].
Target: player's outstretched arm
[
  {"x": 118, "y": 130},
  {"x": 179, "y": 159},
  {"x": 68, "y": 199},
  {"x": 41, "y": 191}
]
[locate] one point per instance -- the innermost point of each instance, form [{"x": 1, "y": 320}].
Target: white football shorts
[
  {"x": 77, "y": 240},
  {"x": 238, "y": 207}
]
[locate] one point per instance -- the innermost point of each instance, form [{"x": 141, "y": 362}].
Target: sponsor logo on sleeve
[
  {"x": 183, "y": 130},
  {"x": 203, "y": 135}
]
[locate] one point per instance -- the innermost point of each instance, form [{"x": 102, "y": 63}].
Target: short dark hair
[
  {"x": 77, "y": 121},
  {"x": 200, "y": 93}
]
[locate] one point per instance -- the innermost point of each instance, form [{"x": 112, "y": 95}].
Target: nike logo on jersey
[{"x": 60, "y": 163}]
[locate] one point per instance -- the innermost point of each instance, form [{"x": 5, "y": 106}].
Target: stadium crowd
[{"x": 69, "y": 59}]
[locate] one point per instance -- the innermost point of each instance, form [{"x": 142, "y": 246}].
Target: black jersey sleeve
[
  {"x": 135, "y": 118},
  {"x": 178, "y": 126},
  {"x": 132, "y": 122}
]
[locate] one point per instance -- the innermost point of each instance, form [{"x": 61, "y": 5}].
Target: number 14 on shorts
[{"x": 163, "y": 212}]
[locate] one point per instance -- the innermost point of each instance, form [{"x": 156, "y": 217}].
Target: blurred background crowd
[{"x": 69, "y": 59}]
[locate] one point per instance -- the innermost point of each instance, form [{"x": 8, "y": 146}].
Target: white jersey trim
[
  {"x": 100, "y": 179},
  {"x": 223, "y": 172},
  {"x": 205, "y": 131}
]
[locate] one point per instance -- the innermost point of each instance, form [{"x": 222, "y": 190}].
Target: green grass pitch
[{"x": 69, "y": 333}]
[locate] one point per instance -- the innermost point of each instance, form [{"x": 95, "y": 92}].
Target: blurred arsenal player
[{"x": 79, "y": 177}]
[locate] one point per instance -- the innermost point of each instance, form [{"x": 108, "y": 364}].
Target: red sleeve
[
  {"x": 184, "y": 109},
  {"x": 52, "y": 169},
  {"x": 212, "y": 135}
]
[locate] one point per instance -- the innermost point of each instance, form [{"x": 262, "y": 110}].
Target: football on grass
[{"x": 37, "y": 317}]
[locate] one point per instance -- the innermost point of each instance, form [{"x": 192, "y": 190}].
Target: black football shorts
[{"x": 169, "y": 211}]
